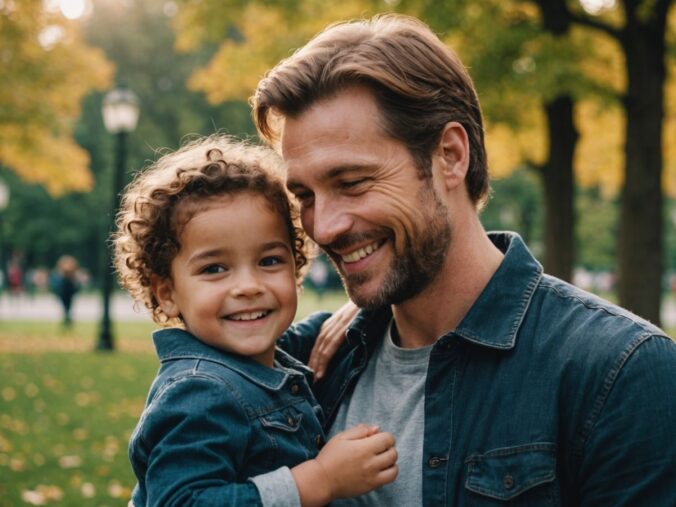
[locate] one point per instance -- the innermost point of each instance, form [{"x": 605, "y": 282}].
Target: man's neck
[{"x": 469, "y": 265}]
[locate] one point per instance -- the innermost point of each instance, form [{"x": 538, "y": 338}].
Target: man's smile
[{"x": 362, "y": 252}]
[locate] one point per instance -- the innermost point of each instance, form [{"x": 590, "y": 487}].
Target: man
[{"x": 500, "y": 383}]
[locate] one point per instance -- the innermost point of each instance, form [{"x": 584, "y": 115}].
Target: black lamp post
[
  {"x": 120, "y": 114},
  {"x": 4, "y": 201}
]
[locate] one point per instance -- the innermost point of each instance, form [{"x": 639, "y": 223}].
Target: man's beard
[{"x": 413, "y": 269}]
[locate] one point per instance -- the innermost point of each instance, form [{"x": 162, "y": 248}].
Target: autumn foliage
[{"x": 46, "y": 71}]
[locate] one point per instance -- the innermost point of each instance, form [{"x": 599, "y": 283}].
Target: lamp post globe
[{"x": 120, "y": 112}]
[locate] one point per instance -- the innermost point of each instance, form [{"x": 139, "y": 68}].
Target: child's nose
[{"x": 247, "y": 285}]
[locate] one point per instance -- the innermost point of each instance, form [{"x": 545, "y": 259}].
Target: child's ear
[{"x": 163, "y": 290}]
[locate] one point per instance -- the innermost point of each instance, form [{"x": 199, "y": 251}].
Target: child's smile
[{"x": 248, "y": 316}]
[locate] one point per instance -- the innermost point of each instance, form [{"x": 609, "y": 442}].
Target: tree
[
  {"x": 46, "y": 70},
  {"x": 642, "y": 38}
]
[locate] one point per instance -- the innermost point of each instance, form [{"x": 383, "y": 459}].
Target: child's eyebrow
[
  {"x": 206, "y": 254},
  {"x": 271, "y": 245}
]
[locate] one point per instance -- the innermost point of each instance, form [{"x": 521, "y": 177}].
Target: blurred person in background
[{"x": 65, "y": 285}]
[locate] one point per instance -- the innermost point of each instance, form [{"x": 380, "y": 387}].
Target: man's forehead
[{"x": 347, "y": 108}]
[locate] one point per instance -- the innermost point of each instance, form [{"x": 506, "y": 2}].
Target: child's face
[{"x": 233, "y": 280}]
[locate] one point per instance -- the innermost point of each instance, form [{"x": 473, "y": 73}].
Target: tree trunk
[
  {"x": 557, "y": 173},
  {"x": 640, "y": 236},
  {"x": 559, "y": 188}
]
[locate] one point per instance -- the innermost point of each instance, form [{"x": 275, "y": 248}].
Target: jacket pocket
[
  {"x": 288, "y": 419},
  {"x": 521, "y": 475}
]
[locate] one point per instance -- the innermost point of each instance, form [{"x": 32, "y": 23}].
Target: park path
[{"x": 87, "y": 307}]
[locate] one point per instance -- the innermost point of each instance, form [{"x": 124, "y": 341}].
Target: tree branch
[{"x": 594, "y": 23}]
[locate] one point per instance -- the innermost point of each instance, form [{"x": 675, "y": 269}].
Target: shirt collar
[
  {"x": 496, "y": 316},
  {"x": 174, "y": 343}
]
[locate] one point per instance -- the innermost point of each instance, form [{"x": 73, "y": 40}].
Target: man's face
[{"x": 362, "y": 201}]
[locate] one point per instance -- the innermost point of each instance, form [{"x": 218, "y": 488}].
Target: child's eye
[
  {"x": 213, "y": 269},
  {"x": 271, "y": 260}
]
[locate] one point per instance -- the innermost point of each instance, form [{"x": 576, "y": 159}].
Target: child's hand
[
  {"x": 358, "y": 460},
  {"x": 354, "y": 462},
  {"x": 331, "y": 335}
]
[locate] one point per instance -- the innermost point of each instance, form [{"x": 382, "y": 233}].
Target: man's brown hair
[{"x": 419, "y": 83}]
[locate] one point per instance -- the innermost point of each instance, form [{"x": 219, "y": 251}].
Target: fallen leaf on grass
[
  {"x": 5, "y": 445},
  {"x": 17, "y": 464},
  {"x": 88, "y": 490},
  {"x": 8, "y": 393},
  {"x": 80, "y": 434},
  {"x": 42, "y": 494},
  {"x": 70, "y": 461},
  {"x": 117, "y": 490},
  {"x": 31, "y": 390}
]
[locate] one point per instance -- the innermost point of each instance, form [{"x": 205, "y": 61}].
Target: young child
[{"x": 208, "y": 240}]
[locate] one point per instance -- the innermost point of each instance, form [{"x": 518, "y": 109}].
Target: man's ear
[
  {"x": 163, "y": 290},
  {"x": 452, "y": 155}
]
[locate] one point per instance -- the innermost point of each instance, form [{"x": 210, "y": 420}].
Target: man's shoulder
[
  {"x": 589, "y": 310},
  {"x": 582, "y": 325}
]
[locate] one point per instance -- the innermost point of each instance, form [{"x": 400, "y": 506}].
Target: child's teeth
[{"x": 248, "y": 316}]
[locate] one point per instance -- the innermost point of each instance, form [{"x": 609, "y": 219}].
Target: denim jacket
[
  {"x": 543, "y": 395},
  {"x": 213, "y": 420}
]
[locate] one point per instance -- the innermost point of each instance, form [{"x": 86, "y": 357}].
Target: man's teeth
[
  {"x": 248, "y": 315},
  {"x": 361, "y": 253}
]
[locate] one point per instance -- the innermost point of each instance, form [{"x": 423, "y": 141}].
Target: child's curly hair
[{"x": 148, "y": 225}]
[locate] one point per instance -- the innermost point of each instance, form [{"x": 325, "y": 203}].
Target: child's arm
[
  {"x": 190, "y": 445},
  {"x": 352, "y": 463}
]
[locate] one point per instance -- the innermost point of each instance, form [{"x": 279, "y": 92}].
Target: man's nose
[{"x": 327, "y": 221}]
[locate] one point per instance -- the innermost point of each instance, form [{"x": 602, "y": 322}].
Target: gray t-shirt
[{"x": 391, "y": 394}]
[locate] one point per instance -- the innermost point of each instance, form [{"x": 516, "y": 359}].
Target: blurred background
[{"x": 579, "y": 98}]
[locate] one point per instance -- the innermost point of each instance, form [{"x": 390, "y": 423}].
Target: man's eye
[
  {"x": 213, "y": 269},
  {"x": 352, "y": 183},
  {"x": 304, "y": 198},
  {"x": 271, "y": 260}
]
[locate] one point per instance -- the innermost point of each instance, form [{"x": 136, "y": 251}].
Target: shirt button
[
  {"x": 295, "y": 388},
  {"x": 290, "y": 421},
  {"x": 318, "y": 440},
  {"x": 508, "y": 481},
  {"x": 434, "y": 462}
]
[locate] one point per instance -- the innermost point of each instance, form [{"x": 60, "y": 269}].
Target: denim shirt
[
  {"x": 213, "y": 420},
  {"x": 543, "y": 395}
]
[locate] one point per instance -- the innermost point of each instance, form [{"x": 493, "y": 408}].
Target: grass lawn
[{"x": 66, "y": 411}]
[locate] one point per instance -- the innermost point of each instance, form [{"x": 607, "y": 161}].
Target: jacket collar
[
  {"x": 496, "y": 316},
  {"x": 175, "y": 343}
]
